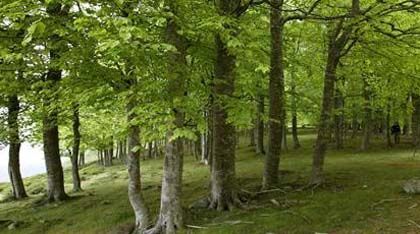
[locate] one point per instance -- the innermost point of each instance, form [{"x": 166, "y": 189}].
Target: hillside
[{"x": 362, "y": 195}]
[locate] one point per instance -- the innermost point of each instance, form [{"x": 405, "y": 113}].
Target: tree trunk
[
  {"x": 171, "y": 217},
  {"x": 388, "y": 125},
  {"x": 18, "y": 189},
  {"x": 76, "y": 146},
  {"x": 296, "y": 144},
  {"x": 324, "y": 122},
  {"x": 260, "y": 126},
  {"x": 276, "y": 92},
  {"x": 55, "y": 178},
  {"x": 338, "y": 119},
  {"x": 223, "y": 195},
  {"x": 415, "y": 122},
  {"x": 367, "y": 119},
  {"x": 133, "y": 163},
  {"x": 82, "y": 158}
]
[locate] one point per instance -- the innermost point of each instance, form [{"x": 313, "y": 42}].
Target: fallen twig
[
  {"x": 387, "y": 200},
  {"x": 196, "y": 227},
  {"x": 415, "y": 224}
]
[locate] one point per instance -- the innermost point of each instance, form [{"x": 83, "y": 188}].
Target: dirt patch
[{"x": 404, "y": 165}]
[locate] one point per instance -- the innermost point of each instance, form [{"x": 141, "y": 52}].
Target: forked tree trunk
[
  {"x": 18, "y": 189},
  {"x": 276, "y": 94},
  {"x": 76, "y": 147},
  {"x": 133, "y": 164}
]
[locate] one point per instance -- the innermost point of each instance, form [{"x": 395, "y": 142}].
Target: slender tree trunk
[
  {"x": 388, "y": 125},
  {"x": 367, "y": 119},
  {"x": 338, "y": 40},
  {"x": 76, "y": 146},
  {"x": 326, "y": 111},
  {"x": 82, "y": 158},
  {"x": 18, "y": 189},
  {"x": 296, "y": 144},
  {"x": 133, "y": 163},
  {"x": 260, "y": 126},
  {"x": 276, "y": 92},
  {"x": 338, "y": 118},
  {"x": 171, "y": 217},
  {"x": 415, "y": 122}
]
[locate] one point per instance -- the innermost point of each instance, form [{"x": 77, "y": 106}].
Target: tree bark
[
  {"x": 367, "y": 118},
  {"x": 296, "y": 143},
  {"x": 133, "y": 163},
  {"x": 76, "y": 147},
  {"x": 55, "y": 178},
  {"x": 223, "y": 195},
  {"x": 415, "y": 122},
  {"x": 339, "y": 119},
  {"x": 338, "y": 40},
  {"x": 260, "y": 126},
  {"x": 171, "y": 217},
  {"x": 18, "y": 188},
  {"x": 276, "y": 93}
]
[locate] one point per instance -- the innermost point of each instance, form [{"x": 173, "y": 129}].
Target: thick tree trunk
[
  {"x": 55, "y": 191},
  {"x": 276, "y": 92},
  {"x": 260, "y": 126},
  {"x": 18, "y": 189},
  {"x": 223, "y": 165},
  {"x": 75, "y": 152},
  {"x": 55, "y": 178},
  {"x": 171, "y": 217},
  {"x": 223, "y": 195},
  {"x": 133, "y": 163}
]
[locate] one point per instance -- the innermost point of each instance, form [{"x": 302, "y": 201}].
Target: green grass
[{"x": 352, "y": 200}]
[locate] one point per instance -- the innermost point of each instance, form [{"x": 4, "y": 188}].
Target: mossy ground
[{"x": 362, "y": 194}]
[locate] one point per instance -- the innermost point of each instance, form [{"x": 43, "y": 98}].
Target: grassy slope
[{"x": 349, "y": 203}]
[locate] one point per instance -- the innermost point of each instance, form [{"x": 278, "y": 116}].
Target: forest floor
[{"x": 362, "y": 194}]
